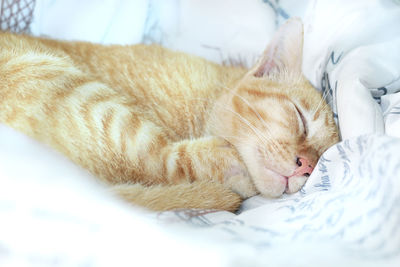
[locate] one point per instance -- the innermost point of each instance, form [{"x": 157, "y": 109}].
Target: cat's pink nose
[{"x": 305, "y": 168}]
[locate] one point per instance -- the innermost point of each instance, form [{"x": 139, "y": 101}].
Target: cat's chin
[
  {"x": 271, "y": 183},
  {"x": 295, "y": 184}
]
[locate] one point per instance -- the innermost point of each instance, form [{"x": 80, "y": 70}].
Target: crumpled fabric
[{"x": 352, "y": 54}]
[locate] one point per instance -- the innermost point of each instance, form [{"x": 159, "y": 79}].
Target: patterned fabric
[{"x": 16, "y": 15}]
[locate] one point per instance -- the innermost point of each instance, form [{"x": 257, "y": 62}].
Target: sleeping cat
[{"x": 165, "y": 129}]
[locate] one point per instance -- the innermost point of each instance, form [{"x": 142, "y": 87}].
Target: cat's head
[{"x": 277, "y": 121}]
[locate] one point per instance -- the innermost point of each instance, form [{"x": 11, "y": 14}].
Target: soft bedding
[
  {"x": 347, "y": 213},
  {"x": 56, "y": 215}
]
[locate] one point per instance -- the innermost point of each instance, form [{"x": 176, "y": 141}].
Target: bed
[{"x": 52, "y": 213}]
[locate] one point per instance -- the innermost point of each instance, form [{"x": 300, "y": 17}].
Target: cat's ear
[{"x": 285, "y": 51}]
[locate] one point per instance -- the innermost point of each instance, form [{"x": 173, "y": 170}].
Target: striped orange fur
[{"x": 165, "y": 129}]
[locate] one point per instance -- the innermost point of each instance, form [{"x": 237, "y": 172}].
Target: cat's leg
[
  {"x": 146, "y": 155},
  {"x": 206, "y": 158},
  {"x": 195, "y": 195},
  {"x": 201, "y": 173}
]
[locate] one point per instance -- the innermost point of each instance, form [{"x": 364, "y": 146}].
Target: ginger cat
[{"x": 165, "y": 129}]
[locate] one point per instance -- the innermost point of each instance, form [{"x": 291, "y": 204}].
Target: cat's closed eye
[{"x": 303, "y": 120}]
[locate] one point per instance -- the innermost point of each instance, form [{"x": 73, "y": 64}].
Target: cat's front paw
[{"x": 235, "y": 174}]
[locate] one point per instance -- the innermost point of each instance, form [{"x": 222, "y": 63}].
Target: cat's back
[
  {"x": 130, "y": 68},
  {"x": 164, "y": 85},
  {"x": 149, "y": 70}
]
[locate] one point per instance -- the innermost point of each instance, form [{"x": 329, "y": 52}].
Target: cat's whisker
[
  {"x": 258, "y": 133},
  {"x": 326, "y": 108},
  {"x": 264, "y": 137},
  {"x": 248, "y": 104},
  {"x": 330, "y": 102},
  {"x": 266, "y": 127},
  {"x": 320, "y": 105},
  {"x": 239, "y": 140}
]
